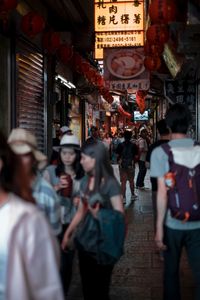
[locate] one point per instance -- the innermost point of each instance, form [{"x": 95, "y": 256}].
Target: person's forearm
[
  {"x": 161, "y": 207},
  {"x": 76, "y": 220}
]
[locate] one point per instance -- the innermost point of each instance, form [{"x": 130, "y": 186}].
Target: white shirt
[
  {"x": 29, "y": 254},
  {"x": 142, "y": 144}
]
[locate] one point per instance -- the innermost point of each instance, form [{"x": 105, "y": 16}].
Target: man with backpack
[
  {"x": 176, "y": 164},
  {"x": 127, "y": 152}
]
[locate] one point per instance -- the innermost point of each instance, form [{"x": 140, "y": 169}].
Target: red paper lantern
[
  {"x": 84, "y": 67},
  {"x": 51, "y": 41},
  {"x": 162, "y": 11},
  {"x": 6, "y": 5},
  {"x": 90, "y": 74},
  {"x": 99, "y": 81},
  {"x": 32, "y": 24},
  {"x": 157, "y": 34},
  {"x": 153, "y": 49},
  {"x": 152, "y": 63},
  {"x": 77, "y": 61},
  {"x": 65, "y": 53}
]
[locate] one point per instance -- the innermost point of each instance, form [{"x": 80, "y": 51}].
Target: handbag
[{"x": 102, "y": 237}]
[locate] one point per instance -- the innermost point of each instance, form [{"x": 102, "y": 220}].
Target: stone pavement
[{"x": 138, "y": 274}]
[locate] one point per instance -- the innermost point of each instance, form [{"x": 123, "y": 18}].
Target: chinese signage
[
  {"x": 118, "y": 16},
  {"x": 124, "y": 69},
  {"x": 118, "y": 23},
  {"x": 183, "y": 91},
  {"x": 117, "y": 39}
]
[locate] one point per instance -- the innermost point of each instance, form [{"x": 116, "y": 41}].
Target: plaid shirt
[{"x": 47, "y": 200}]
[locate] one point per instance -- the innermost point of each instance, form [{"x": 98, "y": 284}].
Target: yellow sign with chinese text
[
  {"x": 119, "y": 16},
  {"x": 117, "y": 39}
]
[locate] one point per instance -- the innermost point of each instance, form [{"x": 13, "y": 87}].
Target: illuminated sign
[
  {"x": 117, "y": 39},
  {"x": 119, "y": 16},
  {"x": 124, "y": 69},
  {"x": 118, "y": 23}
]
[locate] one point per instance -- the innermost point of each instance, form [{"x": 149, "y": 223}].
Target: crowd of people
[{"x": 50, "y": 211}]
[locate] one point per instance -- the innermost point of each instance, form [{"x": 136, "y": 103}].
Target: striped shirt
[{"x": 48, "y": 202}]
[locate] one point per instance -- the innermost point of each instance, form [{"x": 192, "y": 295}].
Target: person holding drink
[{"x": 65, "y": 178}]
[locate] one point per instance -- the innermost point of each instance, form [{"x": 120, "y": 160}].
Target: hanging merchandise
[
  {"x": 140, "y": 100},
  {"x": 65, "y": 53},
  {"x": 162, "y": 11},
  {"x": 123, "y": 112},
  {"x": 32, "y": 24},
  {"x": 51, "y": 42}
]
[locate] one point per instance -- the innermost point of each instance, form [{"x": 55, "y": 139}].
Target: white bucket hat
[
  {"x": 65, "y": 129},
  {"x": 22, "y": 141},
  {"x": 68, "y": 141}
]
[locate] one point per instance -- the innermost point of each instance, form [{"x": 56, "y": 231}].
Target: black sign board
[{"x": 183, "y": 91}]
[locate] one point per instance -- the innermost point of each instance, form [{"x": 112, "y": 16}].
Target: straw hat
[
  {"x": 68, "y": 141},
  {"x": 22, "y": 141}
]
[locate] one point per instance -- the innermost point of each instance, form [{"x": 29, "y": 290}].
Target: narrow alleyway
[{"x": 138, "y": 275}]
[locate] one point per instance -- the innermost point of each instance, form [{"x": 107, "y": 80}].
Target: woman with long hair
[
  {"x": 65, "y": 178},
  {"x": 28, "y": 251},
  {"x": 99, "y": 180}
]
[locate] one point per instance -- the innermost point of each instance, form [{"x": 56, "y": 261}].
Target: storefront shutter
[{"x": 30, "y": 91}]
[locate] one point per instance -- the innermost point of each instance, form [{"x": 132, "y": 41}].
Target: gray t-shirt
[
  {"x": 159, "y": 166},
  {"x": 108, "y": 189}
]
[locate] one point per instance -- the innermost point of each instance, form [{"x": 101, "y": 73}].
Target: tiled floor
[{"x": 138, "y": 275}]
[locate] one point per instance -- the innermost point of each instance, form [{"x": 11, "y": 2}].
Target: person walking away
[
  {"x": 114, "y": 145},
  {"x": 143, "y": 148},
  {"x": 164, "y": 136},
  {"x": 127, "y": 152},
  {"x": 176, "y": 165},
  {"x": 107, "y": 140},
  {"x": 29, "y": 254},
  {"x": 24, "y": 144},
  {"x": 65, "y": 179},
  {"x": 99, "y": 180}
]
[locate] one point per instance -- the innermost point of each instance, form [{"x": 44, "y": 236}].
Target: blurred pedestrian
[
  {"x": 143, "y": 148},
  {"x": 56, "y": 142},
  {"x": 95, "y": 276},
  {"x": 176, "y": 166},
  {"x": 114, "y": 145},
  {"x": 65, "y": 179},
  {"x": 94, "y": 135},
  {"x": 29, "y": 255},
  {"x": 127, "y": 151},
  {"x": 24, "y": 144},
  {"x": 164, "y": 136}
]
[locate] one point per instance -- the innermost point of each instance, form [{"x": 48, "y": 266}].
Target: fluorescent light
[{"x": 64, "y": 81}]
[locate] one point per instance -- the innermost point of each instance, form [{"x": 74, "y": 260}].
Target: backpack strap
[
  {"x": 196, "y": 143},
  {"x": 167, "y": 149}
]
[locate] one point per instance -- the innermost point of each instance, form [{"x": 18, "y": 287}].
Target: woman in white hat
[
  {"x": 29, "y": 254},
  {"x": 65, "y": 178},
  {"x": 24, "y": 144}
]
